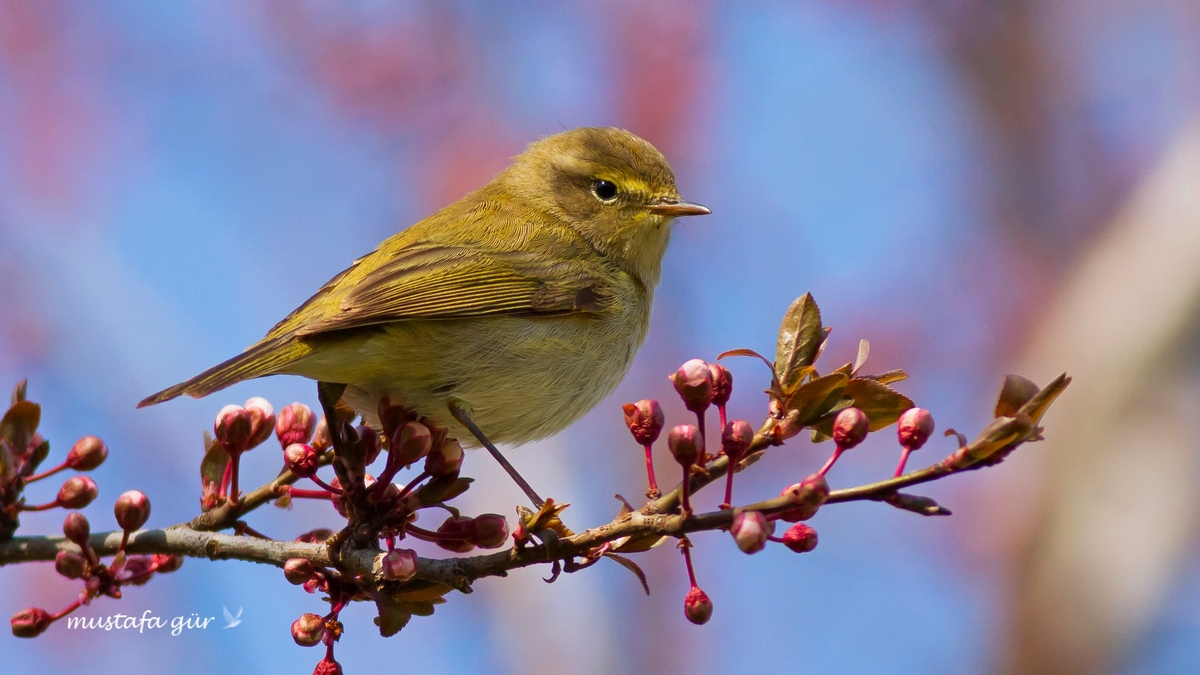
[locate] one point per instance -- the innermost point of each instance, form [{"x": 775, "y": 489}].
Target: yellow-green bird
[{"x": 514, "y": 310}]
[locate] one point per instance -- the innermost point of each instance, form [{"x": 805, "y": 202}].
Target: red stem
[
  {"x": 309, "y": 494},
  {"x": 837, "y": 452},
  {"x": 69, "y": 608},
  {"x": 687, "y": 558},
  {"x": 650, "y": 472},
  {"x": 430, "y": 535},
  {"x": 46, "y": 474},
  {"x": 728, "y": 503},
  {"x": 412, "y": 484},
  {"x": 39, "y": 507},
  {"x": 234, "y": 463},
  {"x": 903, "y": 460},
  {"x": 317, "y": 479},
  {"x": 687, "y": 488},
  {"x": 225, "y": 478}
]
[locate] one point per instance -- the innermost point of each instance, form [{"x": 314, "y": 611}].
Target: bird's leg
[{"x": 459, "y": 411}]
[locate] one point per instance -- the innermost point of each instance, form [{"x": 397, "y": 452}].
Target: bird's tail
[{"x": 265, "y": 358}]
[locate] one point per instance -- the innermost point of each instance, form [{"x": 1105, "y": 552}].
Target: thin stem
[
  {"x": 687, "y": 489},
  {"x": 67, "y": 610},
  {"x": 728, "y": 503},
  {"x": 903, "y": 460},
  {"x": 653, "y": 492},
  {"x": 837, "y": 452},
  {"x": 40, "y": 507},
  {"x": 412, "y": 484},
  {"x": 686, "y": 547},
  {"x": 46, "y": 474},
  {"x": 235, "y": 465},
  {"x": 317, "y": 479},
  {"x": 298, "y": 493}
]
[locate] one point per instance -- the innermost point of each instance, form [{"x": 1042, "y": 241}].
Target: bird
[
  {"x": 231, "y": 621},
  {"x": 504, "y": 316}
]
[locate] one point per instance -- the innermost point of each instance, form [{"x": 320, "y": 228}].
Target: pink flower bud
[
  {"x": 233, "y": 428},
  {"x": 850, "y": 427},
  {"x": 132, "y": 510},
  {"x": 458, "y": 532},
  {"x": 372, "y": 445},
  {"x": 684, "y": 442},
  {"x": 77, "y": 492},
  {"x": 298, "y": 570},
  {"x": 88, "y": 453},
  {"x": 30, "y": 622},
  {"x": 750, "y": 530},
  {"x": 914, "y": 427},
  {"x": 69, "y": 564},
  {"x": 301, "y": 460},
  {"x": 722, "y": 383},
  {"x": 800, "y": 538},
  {"x": 644, "y": 419},
  {"x": 694, "y": 382},
  {"x": 295, "y": 424},
  {"x": 399, "y": 564},
  {"x": 491, "y": 531},
  {"x": 444, "y": 460},
  {"x": 736, "y": 439},
  {"x": 308, "y": 630},
  {"x": 262, "y": 420},
  {"x": 136, "y": 568},
  {"x": 327, "y": 666},
  {"x": 165, "y": 564},
  {"x": 411, "y": 442},
  {"x": 76, "y": 528},
  {"x": 697, "y": 607},
  {"x": 321, "y": 441},
  {"x": 808, "y": 495}
]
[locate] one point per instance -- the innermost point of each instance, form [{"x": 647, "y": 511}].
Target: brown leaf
[
  {"x": 1015, "y": 393},
  {"x": 639, "y": 544},
  {"x": 800, "y": 340},
  {"x": 864, "y": 349},
  {"x": 393, "y": 615},
  {"x": 747, "y": 352},
  {"x": 18, "y": 393},
  {"x": 212, "y": 467},
  {"x": 20, "y": 423},
  {"x": 632, "y": 567}
]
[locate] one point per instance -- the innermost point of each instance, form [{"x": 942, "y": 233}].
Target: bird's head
[{"x": 615, "y": 189}]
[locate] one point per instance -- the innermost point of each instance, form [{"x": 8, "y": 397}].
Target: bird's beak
[{"x": 669, "y": 206}]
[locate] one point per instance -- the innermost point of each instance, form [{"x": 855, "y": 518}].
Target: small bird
[{"x": 506, "y": 315}]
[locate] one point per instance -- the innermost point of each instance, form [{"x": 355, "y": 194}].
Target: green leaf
[
  {"x": 888, "y": 377},
  {"x": 864, "y": 349},
  {"x": 1037, "y": 406},
  {"x": 1015, "y": 393},
  {"x": 815, "y": 398},
  {"x": 800, "y": 340},
  {"x": 882, "y": 404}
]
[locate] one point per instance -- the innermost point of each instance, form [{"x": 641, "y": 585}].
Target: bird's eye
[{"x": 604, "y": 190}]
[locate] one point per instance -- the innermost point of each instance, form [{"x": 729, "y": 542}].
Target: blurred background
[{"x": 976, "y": 186}]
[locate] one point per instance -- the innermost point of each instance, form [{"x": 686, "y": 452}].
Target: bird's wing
[
  {"x": 435, "y": 281},
  {"x": 228, "y": 616}
]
